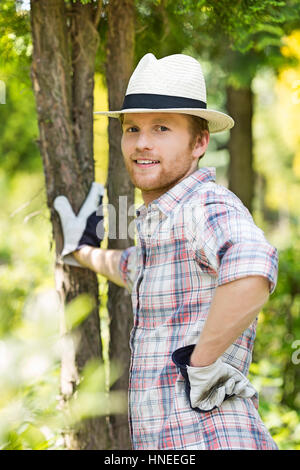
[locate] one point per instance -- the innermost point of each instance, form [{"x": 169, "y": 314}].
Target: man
[{"x": 199, "y": 275}]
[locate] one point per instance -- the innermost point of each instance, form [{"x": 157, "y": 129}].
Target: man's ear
[{"x": 200, "y": 144}]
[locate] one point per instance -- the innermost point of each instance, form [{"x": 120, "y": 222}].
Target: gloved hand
[
  {"x": 207, "y": 387},
  {"x": 84, "y": 229}
]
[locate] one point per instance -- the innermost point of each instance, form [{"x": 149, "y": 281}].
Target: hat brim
[{"x": 217, "y": 121}]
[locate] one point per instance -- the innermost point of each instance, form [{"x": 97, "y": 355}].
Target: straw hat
[{"x": 173, "y": 84}]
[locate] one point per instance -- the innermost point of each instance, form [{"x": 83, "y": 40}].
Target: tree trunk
[
  {"x": 119, "y": 66},
  {"x": 64, "y": 48},
  {"x": 241, "y": 173}
]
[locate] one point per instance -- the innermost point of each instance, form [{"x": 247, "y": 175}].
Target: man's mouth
[{"x": 146, "y": 163}]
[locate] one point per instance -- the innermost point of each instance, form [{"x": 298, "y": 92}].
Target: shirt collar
[{"x": 169, "y": 200}]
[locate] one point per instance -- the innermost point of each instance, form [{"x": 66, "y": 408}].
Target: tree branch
[{"x": 98, "y": 13}]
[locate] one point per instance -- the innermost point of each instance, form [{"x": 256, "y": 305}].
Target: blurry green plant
[
  {"x": 19, "y": 136},
  {"x": 31, "y": 415},
  {"x": 273, "y": 371}
]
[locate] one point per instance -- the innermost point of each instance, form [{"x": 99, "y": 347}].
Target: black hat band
[{"x": 152, "y": 101}]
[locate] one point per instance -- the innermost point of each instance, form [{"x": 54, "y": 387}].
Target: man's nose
[{"x": 144, "y": 141}]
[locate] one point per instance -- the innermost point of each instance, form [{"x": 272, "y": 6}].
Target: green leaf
[
  {"x": 33, "y": 438},
  {"x": 78, "y": 310}
]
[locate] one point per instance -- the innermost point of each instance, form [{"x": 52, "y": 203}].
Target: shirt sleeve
[
  {"x": 229, "y": 243},
  {"x": 128, "y": 267}
]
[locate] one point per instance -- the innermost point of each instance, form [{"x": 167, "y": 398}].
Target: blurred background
[{"x": 30, "y": 416}]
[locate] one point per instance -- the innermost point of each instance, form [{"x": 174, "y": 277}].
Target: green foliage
[
  {"x": 157, "y": 29},
  {"x": 280, "y": 326},
  {"x": 238, "y": 21},
  {"x": 25, "y": 256},
  {"x": 275, "y": 370},
  {"x": 15, "y": 37},
  {"x": 77, "y": 310},
  {"x": 31, "y": 415},
  {"x": 18, "y": 135},
  {"x": 239, "y": 37}
]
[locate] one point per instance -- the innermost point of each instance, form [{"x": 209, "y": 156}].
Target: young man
[{"x": 199, "y": 275}]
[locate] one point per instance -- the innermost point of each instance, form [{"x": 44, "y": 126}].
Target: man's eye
[
  {"x": 132, "y": 129},
  {"x": 163, "y": 128}
]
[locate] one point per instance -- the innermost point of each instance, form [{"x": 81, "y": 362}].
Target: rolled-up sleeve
[
  {"x": 231, "y": 245},
  {"x": 250, "y": 259},
  {"x": 128, "y": 267}
]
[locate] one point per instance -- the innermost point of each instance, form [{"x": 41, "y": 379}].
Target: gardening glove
[
  {"x": 84, "y": 229},
  {"x": 207, "y": 387}
]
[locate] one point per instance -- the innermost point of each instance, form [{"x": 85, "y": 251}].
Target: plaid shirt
[{"x": 193, "y": 238}]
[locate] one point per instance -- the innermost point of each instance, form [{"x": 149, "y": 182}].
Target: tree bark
[
  {"x": 119, "y": 66},
  {"x": 241, "y": 173},
  {"x": 64, "y": 48}
]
